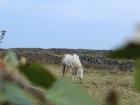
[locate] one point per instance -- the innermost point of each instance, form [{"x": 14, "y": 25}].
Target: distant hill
[
  {"x": 90, "y": 58},
  {"x": 80, "y": 52}
]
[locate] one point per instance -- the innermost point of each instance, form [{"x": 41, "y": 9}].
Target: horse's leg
[
  {"x": 64, "y": 69},
  {"x": 76, "y": 74},
  {"x": 71, "y": 71},
  {"x": 67, "y": 71},
  {"x": 73, "y": 74}
]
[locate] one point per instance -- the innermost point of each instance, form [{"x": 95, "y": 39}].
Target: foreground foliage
[{"x": 19, "y": 83}]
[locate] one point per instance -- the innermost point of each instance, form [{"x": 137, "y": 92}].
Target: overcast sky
[{"x": 91, "y": 24}]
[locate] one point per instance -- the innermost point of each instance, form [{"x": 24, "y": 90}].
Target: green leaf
[
  {"x": 11, "y": 60},
  {"x": 137, "y": 75},
  {"x": 2, "y": 98},
  {"x": 15, "y": 95},
  {"x": 38, "y": 75},
  {"x": 129, "y": 51},
  {"x": 65, "y": 92}
]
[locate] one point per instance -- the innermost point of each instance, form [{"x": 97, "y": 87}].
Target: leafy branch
[{"x": 3, "y": 32}]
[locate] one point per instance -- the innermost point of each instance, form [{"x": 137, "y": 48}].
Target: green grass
[{"x": 98, "y": 84}]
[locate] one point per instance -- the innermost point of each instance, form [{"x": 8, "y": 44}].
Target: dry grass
[{"x": 98, "y": 84}]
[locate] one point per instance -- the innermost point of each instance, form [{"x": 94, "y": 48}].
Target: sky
[{"x": 87, "y": 24}]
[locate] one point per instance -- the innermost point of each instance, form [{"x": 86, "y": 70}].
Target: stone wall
[{"x": 89, "y": 58}]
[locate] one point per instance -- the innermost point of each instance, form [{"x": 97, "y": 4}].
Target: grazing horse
[{"x": 72, "y": 64}]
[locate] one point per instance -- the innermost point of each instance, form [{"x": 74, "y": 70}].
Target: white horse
[{"x": 72, "y": 64}]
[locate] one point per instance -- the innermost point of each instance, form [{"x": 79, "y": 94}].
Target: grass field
[{"x": 98, "y": 83}]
